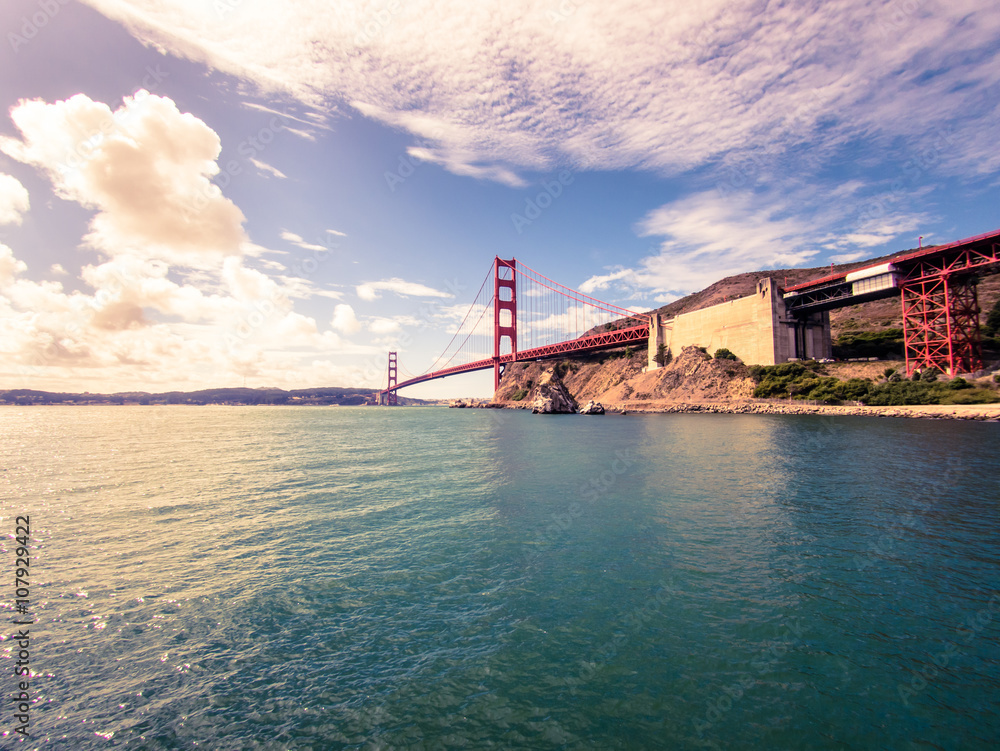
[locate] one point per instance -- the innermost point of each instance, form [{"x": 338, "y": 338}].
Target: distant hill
[{"x": 242, "y": 396}]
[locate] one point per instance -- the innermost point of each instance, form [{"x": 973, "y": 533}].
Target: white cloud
[
  {"x": 13, "y": 199},
  {"x": 9, "y": 266},
  {"x": 344, "y": 320},
  {"x": 146, "y": 169},
  {"x": 603, "y": 281},
  {"x": 268, "y": 169},
  {"x": 384, "y": 326},
  {"x": 369, "y": 290},
  {"x": 297, "y": 240},
  {"x": 173, "y": 303},
  {"x": 491, "y": 89},
  {"x": 708, "y": 236}
]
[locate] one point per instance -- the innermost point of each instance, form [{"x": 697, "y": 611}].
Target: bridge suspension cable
[
  {"x": 549, "y": 312},
  {"x": 524, "y": 315},
  {"x": 478, "y": 340}
]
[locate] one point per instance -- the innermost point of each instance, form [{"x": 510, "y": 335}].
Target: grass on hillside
[{"x": 805, "y": 380}]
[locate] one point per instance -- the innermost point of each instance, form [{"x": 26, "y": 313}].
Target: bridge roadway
[{"x": 594, "y": 343}]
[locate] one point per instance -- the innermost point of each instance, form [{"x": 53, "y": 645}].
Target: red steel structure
[
  {"x": 940, "y": 305},
  {"x": 504, "y": 303},
  {"x": 392, "y": 399}
]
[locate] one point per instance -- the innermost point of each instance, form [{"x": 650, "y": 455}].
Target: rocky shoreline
[{"x": 979, "y": 412}]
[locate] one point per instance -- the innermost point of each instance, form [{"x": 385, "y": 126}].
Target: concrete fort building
[{"x": 757, "y": 328}]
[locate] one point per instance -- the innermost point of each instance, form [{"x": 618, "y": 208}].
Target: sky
[{"x": 209, "y": 193}]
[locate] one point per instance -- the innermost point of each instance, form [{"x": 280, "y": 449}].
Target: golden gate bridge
[{"x": 523, "y": 315}]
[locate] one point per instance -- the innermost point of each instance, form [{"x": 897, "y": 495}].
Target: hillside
[{"x": 871, "y": 316}]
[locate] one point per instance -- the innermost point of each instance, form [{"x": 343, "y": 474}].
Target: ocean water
[{"x": 358, "y": 578}]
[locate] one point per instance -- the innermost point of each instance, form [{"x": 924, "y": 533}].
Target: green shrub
[
  {"x": 971, "y": 396},
  {"x": 724, "y": 354},
  {"x": 929, "y": 375},
  {"x": 519, "y": 395},
  {"x": 881, "y": 344}
]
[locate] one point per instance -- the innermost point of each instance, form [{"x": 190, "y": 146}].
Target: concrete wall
[{"x": 755, "y": 328}]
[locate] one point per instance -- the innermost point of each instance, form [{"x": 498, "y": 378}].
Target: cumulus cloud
[
  {"x": 9, "y": 266},
  {"x": 492, "y": 89},
  {"x": 135, "y": 328},
  {"x": 13, "y": 199},
  {"x": 180, "y": 298},
  {"x": 344, "y": 320},
  {"x": 370, "y": 290},
  {"x": 145, "y": 168}
]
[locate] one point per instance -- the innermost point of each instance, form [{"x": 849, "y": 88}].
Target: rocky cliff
[{"x": 619, "y": 383}]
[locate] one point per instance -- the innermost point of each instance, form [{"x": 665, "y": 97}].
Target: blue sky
[{"x": 199, "y": 194}]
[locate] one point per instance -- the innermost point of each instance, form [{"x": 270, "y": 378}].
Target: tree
[
  {"x": 724, "y": 354},
  {"x": 662, "y": 356},
  {"x": 992, "y": 325}
]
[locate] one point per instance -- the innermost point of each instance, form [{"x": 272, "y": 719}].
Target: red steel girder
[
  {"x": 391, "y": 398},
  {"x": 594, "y": 343},
  {"x": 504, "y": 300},
  {"x": 948, "y": 262},
  {"x": 941, "y": 324}
]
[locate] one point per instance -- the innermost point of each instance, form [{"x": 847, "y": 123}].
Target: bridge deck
[{"x": 605, "y": 340}]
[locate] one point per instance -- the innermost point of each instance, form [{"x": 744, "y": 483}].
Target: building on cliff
[{"x": 757, "y": 328}]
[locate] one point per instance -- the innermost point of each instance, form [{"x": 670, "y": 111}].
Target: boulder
[
  {"x": 592, "y": 408},
  {"x": 551, "y": 396}
]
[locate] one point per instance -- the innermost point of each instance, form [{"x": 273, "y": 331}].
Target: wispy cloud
[
  {"x": 493, "y": 90},
  {"x": 268, "y": 169},
  {"x": 297, "y": 240},
  {"x": 370, "y": 290}
]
